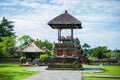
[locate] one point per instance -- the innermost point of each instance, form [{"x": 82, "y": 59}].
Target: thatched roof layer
[
  {"x": 65, "y": 21},
  {"x": 31, "y": 47}
]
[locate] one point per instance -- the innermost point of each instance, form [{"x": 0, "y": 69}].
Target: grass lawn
[
  {"x": 14, "y": 72},
  {"x": 86, "y": 78},
  {"x": 108, "y": 70}
]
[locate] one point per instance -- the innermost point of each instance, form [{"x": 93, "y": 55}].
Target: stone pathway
[{"x": 54, "y": 74}]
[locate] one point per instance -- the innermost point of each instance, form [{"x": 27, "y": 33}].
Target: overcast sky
[{"x": 100, "y": 19}]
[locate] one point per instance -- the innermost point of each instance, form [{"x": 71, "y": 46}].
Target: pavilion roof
[
  {"x": 65, "y": 20},
  {"x": 31, "y": 47}
]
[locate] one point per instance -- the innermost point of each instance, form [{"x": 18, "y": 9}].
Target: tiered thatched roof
[
  {"x": 30, "y": 48},
  {"x": 65, "y": 21}
]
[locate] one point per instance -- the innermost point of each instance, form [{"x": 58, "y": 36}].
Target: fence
[
  {"x": 91, "y": 62},
  {"x": 104, "y": 62},
  {"x": 12, "y": 60}
]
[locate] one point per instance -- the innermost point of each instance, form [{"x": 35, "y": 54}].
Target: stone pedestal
[{"x": 65, "y": 64}]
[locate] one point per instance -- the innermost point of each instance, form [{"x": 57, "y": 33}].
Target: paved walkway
[{"x": 54, "y": 74}]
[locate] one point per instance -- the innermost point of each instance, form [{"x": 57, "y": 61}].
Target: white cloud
[
  {"x": 7, "y": 8},
  {"x": 25, "y": 3},
  {"x": 98, "y": 18},
  {"x": 107, "y": 6}
]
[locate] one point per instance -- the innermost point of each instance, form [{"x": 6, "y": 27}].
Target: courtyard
[{"x": 90, "y": 72}]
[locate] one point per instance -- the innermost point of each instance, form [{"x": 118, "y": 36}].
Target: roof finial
[{"x": 65, "y": 11}]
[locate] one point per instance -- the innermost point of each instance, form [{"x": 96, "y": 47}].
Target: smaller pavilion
[{"x": 31, "y": 51}]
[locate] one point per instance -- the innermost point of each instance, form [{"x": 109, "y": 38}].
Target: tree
[
  {"x": 6, "y": 28},
  {"x": 44, "y": 44},
  {"x": 25, "y": 39},
  {"x": 86, "y": 47},
  {"x": 7, "y": 38},
  {"x": 7, "y": 46},
  {"x": 115, "y": 54},
  {"x": 99, "y": 52}
]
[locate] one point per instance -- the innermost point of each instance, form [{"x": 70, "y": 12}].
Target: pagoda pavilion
[
  {"x": 32, "y": 51},
  {"x": 67, "y": 51}
]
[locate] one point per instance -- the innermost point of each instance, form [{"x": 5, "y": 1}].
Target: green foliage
[
  {"x": 86, "y": 49},
  {"x": 43, "y": 57},
  {"x": 51, "y": 52},
  {"x": 25, "y": 39},
  {"x": 6, "y": 28},
  {"x": 113, "y": 55},
  {"x": 93, "y": 58},
  {"x": 22, "y": 59},
  {"x": 119, "y": 62},
  {"x": 7, "y": 38},
  {"x": 85, "y": 45},
  {"x": 44, "y": 44},
  {"x": 7, "y": 46},
  {"x": 99, "y": 52}
]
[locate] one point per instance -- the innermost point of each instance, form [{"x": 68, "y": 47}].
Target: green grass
[
  {"x": 14, "y": 72},
  {"x": 86, "y": 78},
  {"x": 108, "y": 70}
]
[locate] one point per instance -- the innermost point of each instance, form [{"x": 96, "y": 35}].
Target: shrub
[
  {"x": 119, "y": 62},
  {"x": 43, "y": 57},
  {"x": 22, "y": 59}
]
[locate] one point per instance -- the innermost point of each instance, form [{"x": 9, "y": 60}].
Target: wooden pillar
[
  {"x": 72, "y": 33},
  {"x": 59, "y": 34}
]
